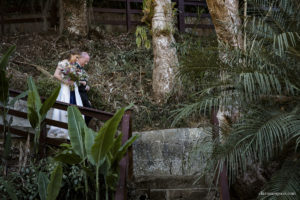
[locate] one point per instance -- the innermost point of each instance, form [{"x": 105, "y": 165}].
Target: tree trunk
[
  {"x": 73, "y": 17},
  {"x": 225, "y": 16},
  {"x": 165, "y": 56},
  {"x": 227, "y": 22}
]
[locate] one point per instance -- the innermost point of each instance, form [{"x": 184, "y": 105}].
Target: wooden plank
[
  {"x": 116, "y": 10},
  {"x": 121, "y": 192},
  {"x": 50, "y": 141},
  {"x": 2, "y": 17},
  {"x": 111, "y": 22},
  {"x": 128, "y": 23},
  {"x": 23, "y": 20},
  {"x": 195, "y": 3},
  {"x": 56, "y": 123},
  {"x": 108, "y": 22},
  {"x": 109, "y": 10},
  {"x": 135, "y": 11},
  {"x": 2, "y": 24},
  {"x": 48, "y": 121},
  {"x": 135, "y": 1},
  {"x": 202, "y": 26},
  {"x": 101, "y": 115},
  {"x": 59, "y": 123},
  {"x": 224, "y": 189},
  {"x": 204, "y": 15},
  {"x": 181, "y": 24},
  {"x": 136, "y": 23}
]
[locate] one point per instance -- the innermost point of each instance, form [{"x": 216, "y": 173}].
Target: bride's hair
[{"x": 73, "y": 52}]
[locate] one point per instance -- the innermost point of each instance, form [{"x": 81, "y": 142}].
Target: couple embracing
[{"x": 73, "y": 78}]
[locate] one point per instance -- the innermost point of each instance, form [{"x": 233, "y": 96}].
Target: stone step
[
  {"x": 167, "y": 188},
  {"x": 170, "y": 194},
  {"x": 167, "y": 182}
]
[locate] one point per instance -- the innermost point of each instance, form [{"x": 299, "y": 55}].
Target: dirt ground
[{"x": 120, "y": 73}]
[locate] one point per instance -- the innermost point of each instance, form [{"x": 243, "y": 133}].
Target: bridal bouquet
[{"x": 71, "y": 73}]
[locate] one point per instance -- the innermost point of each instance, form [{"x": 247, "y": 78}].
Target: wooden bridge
[{"x": 126, "y": 128}]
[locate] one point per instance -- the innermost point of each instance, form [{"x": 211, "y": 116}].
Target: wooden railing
[
  {"x": 53, "y": 18},
  {"x": 126, "y": 129},
  {"x": 180, "y": 5}
]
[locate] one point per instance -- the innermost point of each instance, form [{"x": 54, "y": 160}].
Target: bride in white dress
[{"x": 66, "y": 96}]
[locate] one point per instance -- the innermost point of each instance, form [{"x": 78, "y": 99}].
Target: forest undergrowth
[{"x": 120, "y": 73}]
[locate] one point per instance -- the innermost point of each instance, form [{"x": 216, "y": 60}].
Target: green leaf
[
  {"x": 37, "y": 99},
  {"x": 20, "y": 96},
  {"x": 10, "y": 190},
  {"x": 105, "y": 166},
  {"x": 49, "y": 102},
  {"x": 5, "y": 57},
  {"x": 68, "y": 156},
  {"x": 138, "y": 41},
  {"x": 75, "y": 126},
  {"x": 55, "y": 183},
  {"x": 89, "y": 137},
  {"x": 3, "y": 87},
  {"x": 117, "y": 145},
  {"x": 111, "y": 180},
  {"x": 66, "y": 145},
  {"x": 147, "y": 44},
  {"x": 42, "y": 185},
  {"x": 89, "y": 172},
  {"x": 105, "y": 137},
  {"x": 32, "y": 114},
  {"x": 122, "y": 151}
]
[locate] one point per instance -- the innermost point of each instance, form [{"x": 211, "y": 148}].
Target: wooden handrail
[
  {"x": 91, "y": 112},
  {"x": 126, "y": 127}
]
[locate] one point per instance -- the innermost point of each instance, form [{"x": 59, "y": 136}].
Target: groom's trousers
[{"x": 85, "y": 102}]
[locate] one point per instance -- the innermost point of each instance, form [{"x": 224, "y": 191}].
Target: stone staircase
[{"x": 164, "y": 166}]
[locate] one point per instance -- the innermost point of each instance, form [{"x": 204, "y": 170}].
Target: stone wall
[{"x": 165, "y": 165}]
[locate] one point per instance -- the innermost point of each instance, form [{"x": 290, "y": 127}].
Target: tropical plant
[
  {"x": 95, "y": 152},
  {"x": 49, "y": 190},
  {"x": 262, "y": 84},
  {"x": 6, "y": 103},
  {"x": 37, "y": 110},
  {"x": 35, "y": 182}
]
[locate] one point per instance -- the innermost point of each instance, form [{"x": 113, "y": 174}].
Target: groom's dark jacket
[{"x": 84, "y": 96}]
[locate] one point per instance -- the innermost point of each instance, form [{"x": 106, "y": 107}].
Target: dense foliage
[{"x": 259, "y": 88}]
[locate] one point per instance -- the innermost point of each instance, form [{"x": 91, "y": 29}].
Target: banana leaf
[
  {"x": 55, "y": 183},
  {"x": 75, "y": 126},
  {"x": 43, "y": 182},
  {"x": 49, "y": 102},
  {"x": 105, "y": 137}
]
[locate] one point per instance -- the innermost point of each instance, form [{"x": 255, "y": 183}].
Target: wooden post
[
  {"x": 53, "y": 14},
  {"x": 224, "y": 189},
  {"x": 2, "y": 17},
  {"x": 181, "y": 24},
  {"x": 126, "y": 162},
  {"x": 223, "y": 180},
  {"x": 42, "y": 141},
  {"x": 128, "y": 23}
]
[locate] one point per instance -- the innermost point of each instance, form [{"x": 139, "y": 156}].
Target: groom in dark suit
[{"x": 83, "y": 87}]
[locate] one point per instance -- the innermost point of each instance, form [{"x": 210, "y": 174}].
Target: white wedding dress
[{"x": 61, "y": 115}]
